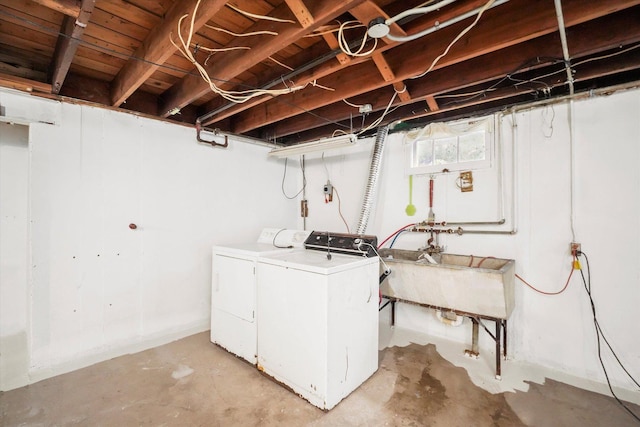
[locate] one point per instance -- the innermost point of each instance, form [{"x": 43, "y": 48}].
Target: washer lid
[
  {"x": 248, "y": 249},
  {"x": 316, "y": 261}
]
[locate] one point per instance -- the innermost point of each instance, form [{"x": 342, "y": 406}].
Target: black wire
[
  {"x": 274, "y": 240},
  {"x": 587, "y": 288},
  {"x": 508, "y": 76},
  {"x": 600, "y": 329}
]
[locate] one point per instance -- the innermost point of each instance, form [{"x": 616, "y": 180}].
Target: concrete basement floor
[{"x": 193, "y": 382}]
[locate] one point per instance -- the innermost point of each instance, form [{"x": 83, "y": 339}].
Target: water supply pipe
[{"x": 372, "y": 183}]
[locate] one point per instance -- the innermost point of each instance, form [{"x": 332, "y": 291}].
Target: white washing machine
[
  {"x": 233, "y": 289},
  {"x": 318, "y": 328}
]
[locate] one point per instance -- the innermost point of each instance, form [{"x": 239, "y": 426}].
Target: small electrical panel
[{"x": 328, "y": 192}]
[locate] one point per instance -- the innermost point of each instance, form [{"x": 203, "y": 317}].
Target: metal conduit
[{"x": 372, "y": 184}]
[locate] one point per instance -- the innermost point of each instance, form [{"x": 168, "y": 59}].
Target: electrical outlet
[
  {"x": 328, "y": 192},
  {"x": 575, "y": 248}
]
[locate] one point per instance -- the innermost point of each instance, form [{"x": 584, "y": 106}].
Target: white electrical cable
[
  {"x": 344, "y": 45},
  {"x": 355, "y": 24},
  {"x": 384, "y": 113},
  {"x": 253, "y": 33},
  {"x": 418, "y": 11},
  {"x": 458, "y": 37},
  {"x": 351, "y": 104},
  {"x": 219, "y": 49},
  {"x": 280, "y": 63},
  {"x": 234, "y": 96},
  {"x": 442, "y": 25}
]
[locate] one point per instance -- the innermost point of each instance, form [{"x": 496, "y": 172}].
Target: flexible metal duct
[{"x": 372, "y": 184}]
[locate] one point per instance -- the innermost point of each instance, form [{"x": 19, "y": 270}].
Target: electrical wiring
[
  {"x": 273, "y": 242},
  {"x": 394, "y": 233},
  {"x": 344, "y": 45},
  {"x": 396, "y": 238},
  {"x": 577, "y": 64},
  {"x": 600, "y": 334},
  {"x": 352, "y": 105},
  {"x": 455, "y": 40},
  {"x": 280, "y": 63},
  {"x": 233, "y": 96},
  {"x": 317, "y": 33},
  {"x": 420, "y": 10},
  {"x": 284, "y": 175},
  {"x": 521, "y": 82},
  {"x": 474, "y": 95},
  {"x": 544, "y": 121},
  {"x": 216, "y": 50},
  {"x": 460, "y": 95},
  {"x": 566, "y": 285},
  {"x": 379, "y": 120},
  {"x": 256, "y": 16},
  {"x": 326, "y": 169},
  {"x": 251, "y": 33},
  {"x": 163, "y": 66},
  {"x": 340, "y": 209}
]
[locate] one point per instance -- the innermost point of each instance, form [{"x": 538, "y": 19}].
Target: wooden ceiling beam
[
  {"x": 493, "y": 101},
  {"x": 586, "y": 39},
  {"x": 66, "y": 7},
  {"x": 504, "y": 26},
  {"x": 389, "y": 76},
  {"x": 226, "y": 109},
  {"x": 432, "y": 103},
  {"x": 23, "y": 84},
  {"x": 588, "y": 73},
  {"x": 332, "y": 42},
  {"x": 301, "y": 12},
  {"x": 157, "y": 47},
  {"x": 331, "y": 67},
  {"x": 235, "y": 62},
  {"x": 68, "y": 41}
]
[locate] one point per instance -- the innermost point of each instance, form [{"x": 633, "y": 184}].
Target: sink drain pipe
[{"x": 372, "y": 183}]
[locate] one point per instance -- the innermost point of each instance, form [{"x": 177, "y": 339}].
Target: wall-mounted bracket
[{"x": 215, "y": 132}]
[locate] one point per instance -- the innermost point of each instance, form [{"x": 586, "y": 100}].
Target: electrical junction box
[{"x": 328, "y": 192}]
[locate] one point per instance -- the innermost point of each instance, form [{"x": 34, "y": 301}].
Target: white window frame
[{"x": 452, "y": 130}]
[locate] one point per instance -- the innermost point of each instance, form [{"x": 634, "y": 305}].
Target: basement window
[{"x": 455, "y": 146}]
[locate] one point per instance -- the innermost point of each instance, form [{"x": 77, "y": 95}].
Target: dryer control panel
[{"x": 350, "y": 244}]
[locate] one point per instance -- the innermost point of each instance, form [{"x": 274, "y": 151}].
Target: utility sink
[{"x": 464, "y": 283}]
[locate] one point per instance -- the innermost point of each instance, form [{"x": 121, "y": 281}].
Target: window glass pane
[
  {"x": 445, "y": 151},
  {"x": 472, "y": 147},
  {"x": 423, "y": 153}
]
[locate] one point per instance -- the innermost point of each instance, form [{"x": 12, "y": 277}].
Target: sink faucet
[{"x": 432, "y": 248}]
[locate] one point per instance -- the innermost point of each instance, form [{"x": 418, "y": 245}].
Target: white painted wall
[
  {"x": 98, "y": 289},
  {"x": 14, "y": 255},
  {"x": 555, "y": 332}
]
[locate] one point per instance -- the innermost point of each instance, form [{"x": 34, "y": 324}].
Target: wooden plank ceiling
[{"x": 280, "y": 69}]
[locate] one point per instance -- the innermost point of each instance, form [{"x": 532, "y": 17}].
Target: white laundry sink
[{"x": 464, "y": 283}]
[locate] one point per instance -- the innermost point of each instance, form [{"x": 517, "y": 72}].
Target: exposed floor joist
[
  {"x": 364, "y": 77},
  {"x": 192, "y": 87}
]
